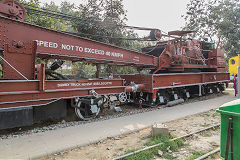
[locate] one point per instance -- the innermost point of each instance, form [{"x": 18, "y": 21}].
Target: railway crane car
[
  {"x": 185, "y": 67},
  {"x": 179, "y": 68}
]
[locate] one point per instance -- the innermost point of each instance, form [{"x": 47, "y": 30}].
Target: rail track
[
  {"x": 174, "y": 139},
  {"x": 208, "y": 154}
]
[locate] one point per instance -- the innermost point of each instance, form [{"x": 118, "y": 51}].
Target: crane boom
[{"x": 56, "y": 44}]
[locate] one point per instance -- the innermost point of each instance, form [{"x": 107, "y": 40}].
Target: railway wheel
[
  {"x": 163, "y": 96},
  {"x": 122, "y": 97},
  {"x": 183, "y": 93},
  {"x": 87, "y": 111},
  {"x": 215, "y": 89},
  {"x": 221, "y": 87},
  {"x": 210, "y": 89}
]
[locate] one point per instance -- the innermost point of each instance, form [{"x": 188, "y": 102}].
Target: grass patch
[
  {"x": 205, "y": 125},
  {"x": 168, "y": 156},
  {"x": 214, "y": 144},
  {"x": 216, "y": 128},
  {"x": 130, "y": 150},
  {"x": 215, "y": 115},
  {"x": 167, "y": 145},
  {"x": 206, "y": 134},
  {"x": 206, "y": 114},
  {"x": 195, "y": 155},
  {"x": 145, "y": 155}
]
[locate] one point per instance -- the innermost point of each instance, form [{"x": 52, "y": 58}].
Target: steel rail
[
  {"x": 174, "y": 139},
  {"x": 208, "y": 154}
]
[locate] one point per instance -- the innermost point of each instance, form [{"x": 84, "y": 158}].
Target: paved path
[{"x": 43, "y": 144}]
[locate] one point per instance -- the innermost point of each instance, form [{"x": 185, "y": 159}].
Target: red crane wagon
[{"x": 179, "y": 68}]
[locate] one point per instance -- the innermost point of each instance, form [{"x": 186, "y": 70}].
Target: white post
[{"x": 200, "y": 90}]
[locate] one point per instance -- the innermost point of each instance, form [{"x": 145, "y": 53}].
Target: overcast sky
[{"x": 162, "y": 14}]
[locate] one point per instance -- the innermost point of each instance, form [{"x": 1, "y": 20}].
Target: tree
[
  {"x": 101, "y": 18},
  {"x": 96, "y": 19},
  {"x": 43, "y": 19},
  {"x": 217, "y": 19}
]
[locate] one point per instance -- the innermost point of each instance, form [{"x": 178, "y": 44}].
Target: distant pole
[{"x": 237, "y": 79}]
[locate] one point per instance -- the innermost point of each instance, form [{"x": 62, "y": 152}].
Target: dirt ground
[{"x": 115, "y": 146}]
